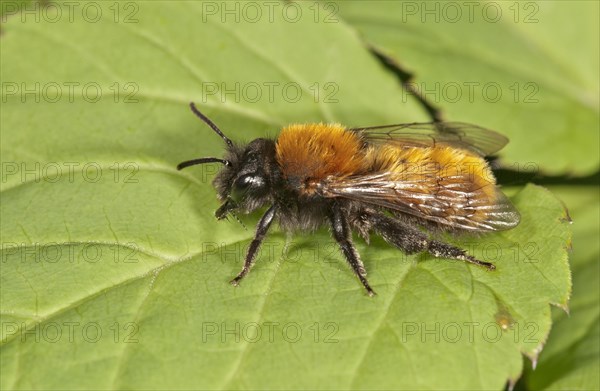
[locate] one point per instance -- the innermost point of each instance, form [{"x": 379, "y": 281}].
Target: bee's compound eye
[
  {"x": 248, "y": 180},
  {"x": 244, "y": 184}
]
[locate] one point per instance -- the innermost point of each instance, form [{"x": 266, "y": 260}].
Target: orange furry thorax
[{"x": 310, "y": 153}]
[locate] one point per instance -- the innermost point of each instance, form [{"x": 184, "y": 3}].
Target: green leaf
[
  {"x": 522, "y": 68},
  {"x": 571, "y": 358},
  {"x": 114, "y": 271}
]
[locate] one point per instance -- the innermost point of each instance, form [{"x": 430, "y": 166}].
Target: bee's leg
[
  {"x": 261, "y": 231},
  {"x": 411, "y": 240},
  {"x": 341, "y": 233}
]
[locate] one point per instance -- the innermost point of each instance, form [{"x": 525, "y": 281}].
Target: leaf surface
[
  {"x": 519, "y": 67},
  {"x": 114, "y": 271}
]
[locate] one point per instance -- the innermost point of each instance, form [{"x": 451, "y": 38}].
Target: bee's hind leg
[
  {"x": 411, "y": 240},
  {"x": 341, "y": 233}
]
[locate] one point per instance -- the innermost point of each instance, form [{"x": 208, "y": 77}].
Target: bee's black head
[{"x": 246, "y": 180}]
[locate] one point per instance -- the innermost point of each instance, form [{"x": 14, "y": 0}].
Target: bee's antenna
[
  {"x": 211, "y": 124},
  {"x": 202, "y": 160}
]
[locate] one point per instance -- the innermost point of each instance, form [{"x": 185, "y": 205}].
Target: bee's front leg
[{"x": 261, "y": 232}]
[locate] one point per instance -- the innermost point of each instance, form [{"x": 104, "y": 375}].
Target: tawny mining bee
[{"x": 396, "y": 180}]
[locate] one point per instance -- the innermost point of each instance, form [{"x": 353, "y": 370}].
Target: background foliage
[{"x": 114, "y": 272}]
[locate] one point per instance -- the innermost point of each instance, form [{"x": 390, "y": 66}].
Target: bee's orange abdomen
[
  {"x": 442, "y": 172},
  {"x": 440, "y": 162},
  {"x": 308, "y": 153}
]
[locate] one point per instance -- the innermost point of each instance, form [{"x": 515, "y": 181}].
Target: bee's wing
[
  {"x": 454, "y": 204},
  {"x": 458, "y": 134}
]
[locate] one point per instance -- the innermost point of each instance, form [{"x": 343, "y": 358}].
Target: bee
[{"x": 404, "y": 182}]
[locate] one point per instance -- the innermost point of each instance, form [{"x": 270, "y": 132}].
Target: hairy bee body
[
  {"x": 398, "y": 181},
  {"x": 312, "y": 154}
]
